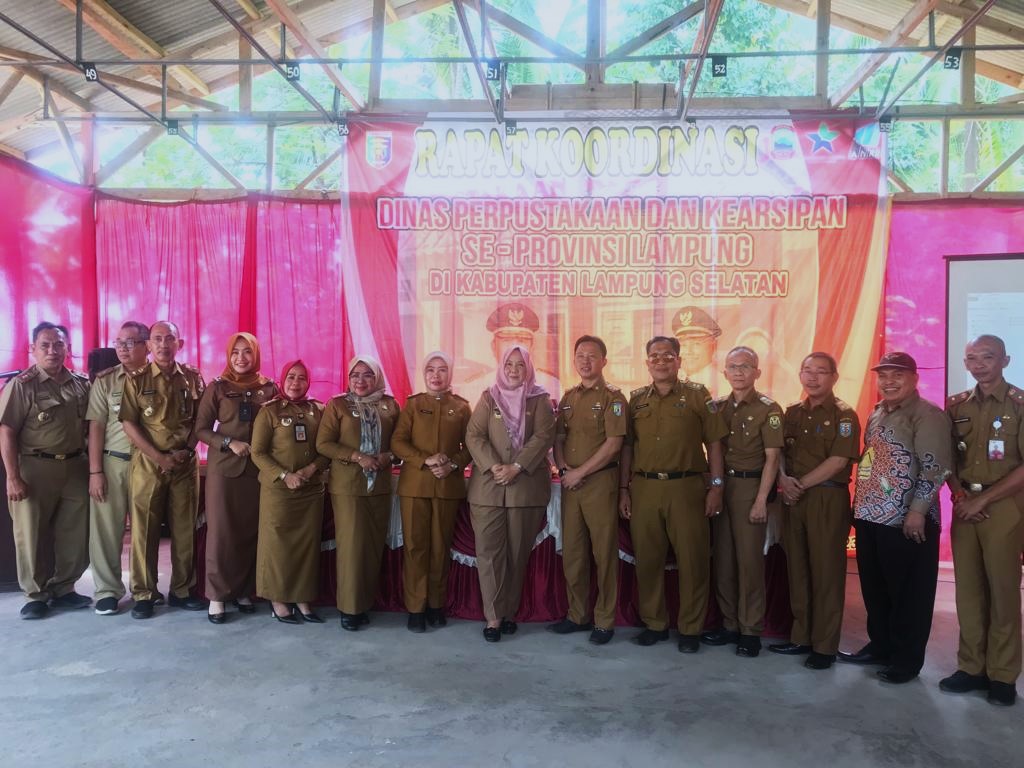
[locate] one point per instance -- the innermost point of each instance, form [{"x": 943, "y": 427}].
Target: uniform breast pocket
[
  {"x": 114, "y": 403},
  {"x": 962, "y": 428},
  {"x": 44, "y": 409},
  {"x": 1010, "y": 428},
  {"x": 151, "y": 405}
]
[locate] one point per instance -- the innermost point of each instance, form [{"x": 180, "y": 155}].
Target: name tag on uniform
[
  {"x": 996, "y": 450},
  {"x": 245, "y": 411},
  {"x": 595, "y": 407},
  {"x": 300, "y": 433},
  {"x": 424, "y": 410},
  {"x": 149, "y": 391}
]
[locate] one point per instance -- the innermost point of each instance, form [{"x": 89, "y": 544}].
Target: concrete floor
[{"x": 84, "y": 690}]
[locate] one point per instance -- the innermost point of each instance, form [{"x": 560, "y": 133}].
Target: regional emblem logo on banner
[
  {"x": 378, "y": 148},
  {"x": 783, "y": 142}
]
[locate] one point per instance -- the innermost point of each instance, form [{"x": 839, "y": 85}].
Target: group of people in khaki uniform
[{"x": 687, "y": 471}]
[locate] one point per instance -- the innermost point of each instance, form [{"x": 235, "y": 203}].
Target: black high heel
[
  {"x": 310, "y": 618},
  {"x": 288, "y": 618},
  {"x": 245, "y": 607}
]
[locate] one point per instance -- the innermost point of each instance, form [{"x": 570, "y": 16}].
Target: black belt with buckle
[
  {"x": 118, "y": 455},
  {"x": 748, "y": 475},
  {"x": 609, "y": 465},
  {"x": 831, "y": 484},
  {"x": 666, "y": 475},
  {"x": 57, "y": 456},
  {"x": 975, "y": 487}
]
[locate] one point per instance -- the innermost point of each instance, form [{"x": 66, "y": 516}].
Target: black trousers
[{"x": 897, "y": 580}]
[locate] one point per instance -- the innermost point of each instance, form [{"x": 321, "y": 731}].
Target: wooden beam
[
  {"x": 244, "y": 76},
  {"x": 460, "y": 12},
  {"x": 213, "y": 161},
  {"x": 660, "y": 29},
  {"x": 12, "y": 151},
  {"x": 131, "y": 41},
  {"x": 964, "y": 9},
  {"x": 944, "y": 158},
  {"x": 910, "y": 21},
  {"x": 65, "y": 136},
  {"x": 900, "y": 183},
  {"x": 1003, "y": 167},
  {"x": 403, "y": 12},
  {"x": 529, "y": 33},
  {"x": 376, "y": 51},
  {"x": 270, "y": 158},
  {"x": 57, "y": 88},
  {"x": 822, "y": 44},
  {"x": 328, "y": 161},
  {"x": 87, "y": 138},
  {"x": 594, "y": 72},
  {"x": 14, "y": 124},
  {"x": 299, "y": 30},
  {"x": 967, "y": 69},
  {"x": 250, "y": 10},
  {"x": 129, "y": 153},
  {"x": 10, "y": 84}
]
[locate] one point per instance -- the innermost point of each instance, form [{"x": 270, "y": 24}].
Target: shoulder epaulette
[
  {"x": 193, "y": 369},
  {"x": 842, "y": 405},
  {"x": 459, "y": 397},
  {"x": 107, "y": 371},
  {"x": 767, "y": 400},
  {"x": 959, "y": 397},
  {"x": 81, "y": 376},
  {"x": 794, "y": 404},
  {"x": 694, "y": 384},
  {"x": 28, "y": 375},
  {"x": 215, "y": 380},
  {"x": 612, "y": 387},
  {"x": 139, "y": 371},
  {"x": 639, "y": 391},
  {"x": 1016, "y": 395}
]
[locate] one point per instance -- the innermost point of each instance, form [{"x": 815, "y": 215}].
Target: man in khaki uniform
[
  {"x": 591, "y": 424},
  {"x": 988, "y": 525},
  {"x": 822, "y": 441},
  {"x": 662, "y": 492},
  {"x": 752, "y": 450},
  {"x": 158, "y": 409},
  {"x": 109, "y": 454},
  {"x": 42, "y": 443}
]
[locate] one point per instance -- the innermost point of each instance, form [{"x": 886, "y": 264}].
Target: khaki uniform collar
[{"x": 999, "y": 393}]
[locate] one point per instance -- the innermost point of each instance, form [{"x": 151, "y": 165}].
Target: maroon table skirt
[{"x": 544, "y": 597}]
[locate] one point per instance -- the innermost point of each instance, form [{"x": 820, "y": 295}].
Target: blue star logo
[{"x": 823, "y": 138}]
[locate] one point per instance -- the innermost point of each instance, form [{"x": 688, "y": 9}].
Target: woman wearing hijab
[
  {"x": 509, "y": 435},
  {"x": 224, "y": 422},
  {"x": 291, "y": 498},
  {"x": 430, "y": 438},
  {"x": 356, "y": 434}
]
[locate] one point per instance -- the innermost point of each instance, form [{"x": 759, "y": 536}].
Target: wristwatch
[
  {"x": 717, "y": 482},
  {"x": 225, "y": 443},
  {"x": 562, "y": 471},
  {"x": 453, "y": 465},
  {"x": 282, "y": 476}
]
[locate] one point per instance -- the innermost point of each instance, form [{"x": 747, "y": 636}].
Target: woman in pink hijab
[{"x": 509, "y": 435}]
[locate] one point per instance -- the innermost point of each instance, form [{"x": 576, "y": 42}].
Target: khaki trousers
[
  {"x": 590, "y": 525},
  {"x": 360, "y": 533},
  {"x": 817, "y": 528},
  {"x": 504, "y": 541},
  {"x": 51, "y": 526},
  {"x": 427, "y": 529},
  {"x": 106, "y": 529},
  {"x": 739, "y": 559},
  {"x": 156, "y": 496},
  {"x": 986, "y": 561},
  {"x": 671, "y": 512}
]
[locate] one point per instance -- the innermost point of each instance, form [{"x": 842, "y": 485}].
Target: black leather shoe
[
  {"x": 417, "y": 623},
  {"x": 689, "y": 643},
  {"x": 217, "y": 618},
  {"x": 568, "y": 626},
  {"x": 720, "y": 636},
  {"x": 311, "y": 618},
  {"x": 363, "y": 619},
  {"x": 961, "y": 682},
  {"x": 435, "y": 617},
  {"x": 508, "y": 627},
  {"x": 142, "y": 609},
  {"x": 244, "y": 607},
  {"x": 650, "y": 637},
  {"x": 789, "y": 649},
  {"x": 864, "y": 656},
  {"x": 819, "y": 660},
  {"x": 34, "y": 609},
  {"x": 492, "y": 634},
  {"x": 71, "y": 600},
  {"x": 748, "y": 646},
  {"x": 1002, "y": 694},
  {"x": 350, "y": 622},
  {"x": 189, "y": 603},
  {"x": 599, "y": 636},
  {"x": 895, "y": 675},
  {"x": 288, "y": 618}
]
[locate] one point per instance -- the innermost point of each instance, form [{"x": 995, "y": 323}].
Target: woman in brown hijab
[
  {"x": 224, "y": 422},
  {"x": 356, "y": 434},
  {"x": 291, "y": 497},
  {"x": 431, "y": 441}
]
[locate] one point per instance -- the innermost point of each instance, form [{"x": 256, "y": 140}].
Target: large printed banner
[{"x": 470, "y": 237}]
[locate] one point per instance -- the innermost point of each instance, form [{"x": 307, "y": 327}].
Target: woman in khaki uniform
[
  {"x": 509, "y": 435},
  {"x": 224, "y": 422},
  {"x": 356, "y": 434},
  {"x": 431, "y": 439},
  {"x": 291, "y": 498}
]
